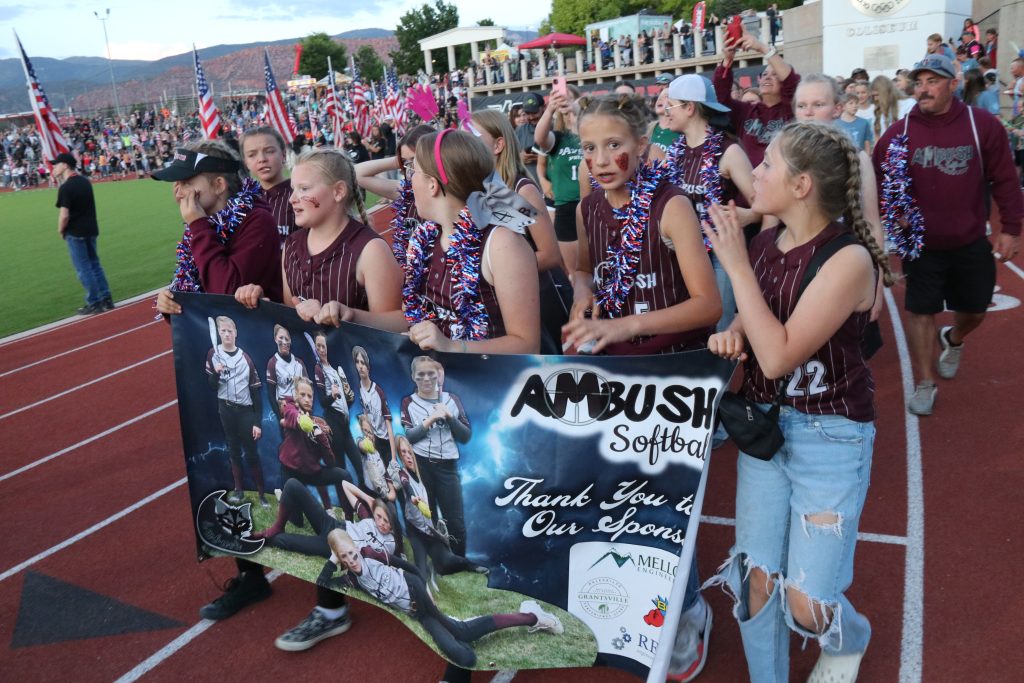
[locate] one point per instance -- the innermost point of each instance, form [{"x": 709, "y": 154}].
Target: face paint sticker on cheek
[
  {"x": 590, "y": 164},
  {"x": 312, "y": 200},
  {"x": 622, "y": 161}
]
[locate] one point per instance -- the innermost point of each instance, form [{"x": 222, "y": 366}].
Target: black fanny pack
[{"x": 754, "y": 431}]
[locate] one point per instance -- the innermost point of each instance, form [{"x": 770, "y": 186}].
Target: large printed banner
[{"x": 514, "y": 511}]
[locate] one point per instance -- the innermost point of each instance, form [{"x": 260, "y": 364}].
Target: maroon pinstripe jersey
[
  {"x": 835, "y": 380},
  {"x": 438, "y": 290},
  {"x": 331, "y": 274},
  {"x": 278, "y": 197},
  {"x": 659, "y": 282},
  {"x": 690, "y": 182}
]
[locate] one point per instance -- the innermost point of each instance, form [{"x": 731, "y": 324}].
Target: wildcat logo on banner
[{"x": 550, "y": 496}]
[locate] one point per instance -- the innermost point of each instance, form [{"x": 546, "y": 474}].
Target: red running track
[{"x": 941, "y": 601}]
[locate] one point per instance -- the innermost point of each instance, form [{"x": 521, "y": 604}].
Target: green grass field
[
  {"x": 462, "y": 596},
  {"x": 139, "y": 228}
]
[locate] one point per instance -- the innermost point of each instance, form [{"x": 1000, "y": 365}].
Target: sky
[{"x": 143, "y": 29}]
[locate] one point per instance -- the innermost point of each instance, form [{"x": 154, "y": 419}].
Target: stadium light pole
[{"x": 110, "y": 63}]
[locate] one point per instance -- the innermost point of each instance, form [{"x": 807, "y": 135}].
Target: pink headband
[{"x": 437, "y": 155}]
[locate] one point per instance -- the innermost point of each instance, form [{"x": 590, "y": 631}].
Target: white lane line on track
[
  {"x": 49, "y": 327},
  {"x": 64, "y": 451},
  {"x": 504, "y": 676},
  {"x": 154, "y": 660},
  {"x": 1015, "y": 268},
  {"x": 77, "y": 348},
  {"x": 91, "y": 530},
  {"x": 861, "y": 536},
  {"x": 912, "y": 642},
  {"x": 83, "y": 385}
]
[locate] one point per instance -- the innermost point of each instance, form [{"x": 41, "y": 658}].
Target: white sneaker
[
  {"x": 949, "y": 359},
  {"x": 836, "y": 668},
  {"x": 546, "y": 621},
  {"x": 923, "y": 400}
]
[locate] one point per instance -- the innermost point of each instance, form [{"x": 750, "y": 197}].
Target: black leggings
[
  {"x": 298, "y": 501},
  {"x": 445, "y": 561},
  {"x": 237, "y": 422},
  {"x": 452, "y": 636},
  {"x": 295, "y": 496},
  {"x": 327, "y": 475},
  {"x": 343, "y": 443}
]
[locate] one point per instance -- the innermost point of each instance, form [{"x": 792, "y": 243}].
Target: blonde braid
[
  {"x": 827, "y": 153},
  {"x": 360, "y": 207},
  {"x": 854, "y": 215},
  {"x": 349, "y": 178}
]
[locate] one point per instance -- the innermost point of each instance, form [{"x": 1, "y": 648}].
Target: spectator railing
[{"x": 675, "y": 57}]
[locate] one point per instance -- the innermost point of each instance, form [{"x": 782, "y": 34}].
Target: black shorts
[
  {"x": 961, "y": 279},
  {"x": 565, "y": 222},
  {"x": 1018, "y": 156}
]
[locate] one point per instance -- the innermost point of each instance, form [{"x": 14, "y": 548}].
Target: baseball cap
[
  {"x": 664, "y": 79},
  {"x": 695, "y": 88},
  {"x": 532, "y": 103},
  {"x": 65, "y": 158},
  {"x": 188, "y": 164},
  {"x": 940, "y": 65}
]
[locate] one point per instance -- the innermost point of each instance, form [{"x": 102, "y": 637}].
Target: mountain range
[{"x": 83, "y": 83}]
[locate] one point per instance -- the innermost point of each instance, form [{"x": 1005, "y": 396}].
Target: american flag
[
  {"x": 359, "y": 107},
  {"x": 334, "y": 112},
  {"x": 208, "y": 115},
  {"x": 50, "y": 134},
  {"x": 313, "y": 129},
  {"x": 394, "y": 103},
  {"x": 280, "y": 120}
]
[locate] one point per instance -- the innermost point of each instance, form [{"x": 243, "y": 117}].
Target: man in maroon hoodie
[
  {"x": 757, "y": 122},
  {"x": 955, "y": 154}
]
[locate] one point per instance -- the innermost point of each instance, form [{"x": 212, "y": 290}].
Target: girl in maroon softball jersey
[
  {"x": 797, "y": 514},
  {"x": 664, "y": 298},
  {"x": 644, "y": 278},
  {"x": 706, "y": 162},
  {"x": 470, "y": 276},
  {"x": 264, "y": 152}
]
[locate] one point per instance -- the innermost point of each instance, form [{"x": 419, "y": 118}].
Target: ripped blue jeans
[{"x": 796, "y": 520}]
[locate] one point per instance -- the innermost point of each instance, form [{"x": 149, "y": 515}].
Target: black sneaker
[
  {"x": 88, "y": 309},
  {"x": 312, "y": 630},
  {"x": 239, "y": 592},
  {"x": 105, "y": 305}
]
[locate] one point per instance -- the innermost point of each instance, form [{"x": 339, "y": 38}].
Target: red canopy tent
[{"x": 553, "y": 40}]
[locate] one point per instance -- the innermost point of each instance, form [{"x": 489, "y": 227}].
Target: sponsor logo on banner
[
  {"x": 603, "y": 597},
  {"x": 602, "y": 577},
  {"x": 656, "y": 617}
]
